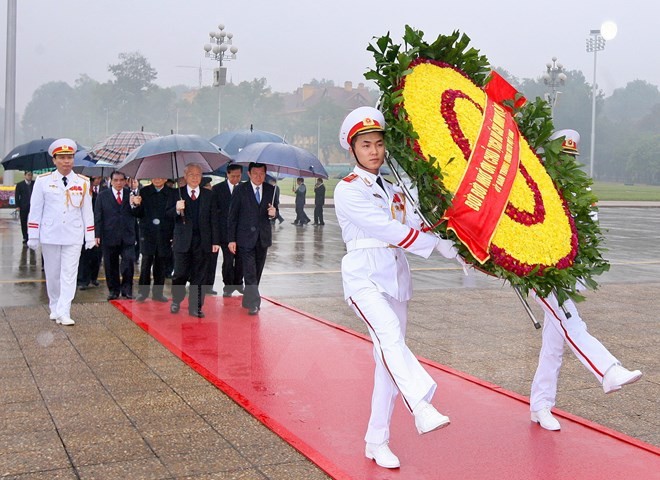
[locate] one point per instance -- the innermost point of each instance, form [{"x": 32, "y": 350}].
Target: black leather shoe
[
  {"x": 83, "y": 287},
  {"x": 240, "y": 290},
  {"x": 160, "y": 298},
  {"x": 226, "y": 294},
  {"x": 253, "y": 311},
  {"x": 174, "y": 308},
  {"x": 95, "y": 283},
  {"x": 210, "y": 291},
  {"x": 127, "y": 296},
  {"x": 113, "y": 296},
  {"x": 140, "y": 298},
  {"x": 196, "y": 313}
]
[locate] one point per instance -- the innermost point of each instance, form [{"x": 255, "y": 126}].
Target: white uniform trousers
[
  {"x": 61, "y": 269},
  {"x": 397, "y": 369},
  {"x": 558, "y": 329}
]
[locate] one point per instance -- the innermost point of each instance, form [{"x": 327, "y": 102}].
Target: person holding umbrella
[
  {"x": 249, "y": 230},
  {"x": 196, "y": 236},
  {"x": 61, "y": 220}
]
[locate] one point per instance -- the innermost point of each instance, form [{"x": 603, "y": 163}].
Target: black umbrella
[
  {"x": 233, "y": 141},
  {"x": 30, "y": 156}
]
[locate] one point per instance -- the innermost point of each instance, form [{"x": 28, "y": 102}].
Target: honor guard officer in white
[
  {"x": 378, "y": 226},
  {"x": 564, "y": 325},
  {"x": 61, "y": 220}
]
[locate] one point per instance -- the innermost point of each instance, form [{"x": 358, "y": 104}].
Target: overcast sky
[{"x": 290, "y": 42}]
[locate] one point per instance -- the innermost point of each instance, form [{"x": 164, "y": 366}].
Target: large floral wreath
[{"x": 434, "y": 103}]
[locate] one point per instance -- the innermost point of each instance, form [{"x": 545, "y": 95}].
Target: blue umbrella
[
  {"x": 234, "y": 141},
  {"x": 166, "y": 157},
  {"x": 98, "y": 169},
  {"x": 81, "y": 159},
  {"x": 30, "y": 156},
  {"x": 282, "y": 158}
]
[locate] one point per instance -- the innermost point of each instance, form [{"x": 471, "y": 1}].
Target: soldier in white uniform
[
  {"x": 563, "y": 324},
  {"x": 61, "y": 219},
  {"x": 378, "y": 226}
]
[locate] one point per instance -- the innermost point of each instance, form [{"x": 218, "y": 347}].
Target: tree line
[{"x": 627, "y": 122}]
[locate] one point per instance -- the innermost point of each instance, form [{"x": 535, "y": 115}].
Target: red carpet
[{"x": 310, "y": 382}]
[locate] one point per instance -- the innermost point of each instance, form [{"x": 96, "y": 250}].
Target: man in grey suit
[{"x": 253, "y": 205}]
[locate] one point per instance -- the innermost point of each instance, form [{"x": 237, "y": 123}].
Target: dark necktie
[
  {"x": 193, "y": 195},
  {"x": 65, "y": 181},
  {"x": 379, "y": 181}
]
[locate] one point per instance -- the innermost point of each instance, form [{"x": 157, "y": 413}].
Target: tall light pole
[
  {"x": 217, "y": 50},
  {"x": 10, "y": 87},
  {"x": 596, "y": 43},
  {"x": 554, "y": 77}
]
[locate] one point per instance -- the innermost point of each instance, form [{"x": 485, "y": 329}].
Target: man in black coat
[
  {"x": 22, "y": 195},
  {"x": 319, "y": 201},
  {"x": 196, "y": 236},
  {"x": 90, "y": 258},
  {"x": 232, "y": 269},
  {"x": 156, "y": 232},
  {"x": 249, "y": 232},
  {"x": 115, "y": 232}
]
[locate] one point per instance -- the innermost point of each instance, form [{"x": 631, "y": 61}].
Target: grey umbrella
[
  {"x": 167, "y": 157},
  {"x": 233, "y": 141},
  {"x": 282, "y": 158}
]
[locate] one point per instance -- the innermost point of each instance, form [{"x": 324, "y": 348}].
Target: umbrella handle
[
  {"x": 274, "y": 192},
  {"x": 176, "y": 170}
]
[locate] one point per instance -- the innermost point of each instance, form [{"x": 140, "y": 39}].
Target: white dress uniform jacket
[
  {"x": 61, "y": 215},
  {"x": 376, "y": 226}
]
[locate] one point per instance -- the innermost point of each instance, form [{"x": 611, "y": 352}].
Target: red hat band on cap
[
  {"x": 570, "y": 145},
  {"x": 365, "y": 125},
  {"x": 66, "y": 149}
]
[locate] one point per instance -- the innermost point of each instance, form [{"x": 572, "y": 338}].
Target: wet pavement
[{"x": 104, "y": 400}]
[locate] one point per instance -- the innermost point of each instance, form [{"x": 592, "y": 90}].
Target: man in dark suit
[
  {"x": 196, "y": 236},
  {"x": 319, "y": 201},
  {"x": 156, "y": 231},
  {"x": 249, "y": 232},
  {"x": 115, "y": 233},
  {"x": 22, "y": 195},
  {"x": 232, "y": 269},
  {"x": 90, "y": 258}
]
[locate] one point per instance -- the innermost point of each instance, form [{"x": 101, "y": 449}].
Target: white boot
[
  {"x": 382, "y": 455},
  {"x": 427, "y": 418},
  {"x": 617, "y": 376},
  {"x": 545, "y": 418}
]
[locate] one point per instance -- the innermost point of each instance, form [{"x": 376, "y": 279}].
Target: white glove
[
  {"x": 446, "y": 248},
  {"x": 90, "y": 244},
  {"x": 33, "y": 243}
]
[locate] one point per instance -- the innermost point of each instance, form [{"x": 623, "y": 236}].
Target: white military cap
[
  {"x": 62, "y": 145},
  {"x": 571, "y": 140},
  {"x": 359, "y": 121}
]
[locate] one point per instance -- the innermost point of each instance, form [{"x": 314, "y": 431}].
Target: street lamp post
[
  {"x": 596, "y": 43},
  {"x": 220, "y": 49},
  {"x": 554, "y": 77}
]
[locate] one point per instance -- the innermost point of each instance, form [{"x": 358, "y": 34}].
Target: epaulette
[
  {"x": 44, "y": 174},
  {"x": 82, "y": 176},
  {"x": 350, "y": 178}
]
